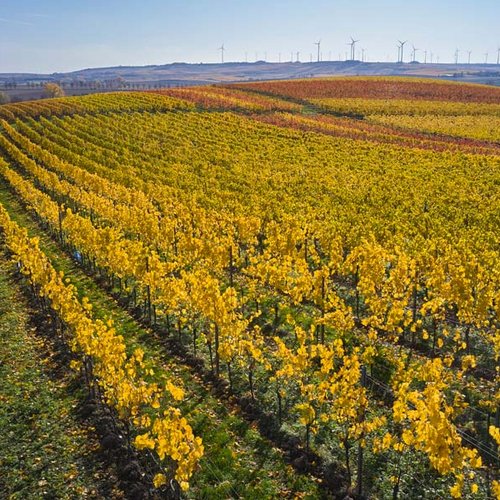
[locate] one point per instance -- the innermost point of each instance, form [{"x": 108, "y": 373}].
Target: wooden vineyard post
[
  {"x": 61, "y": 217},
  {"x": 356, "y": 282},
  {"x": 323, "y": 295},
  {"x": 217, "y": 360},
  {"x": 148, "y": 293},
  {"x": 360, "y": 445},
  {"x": 231, "y": 282}
]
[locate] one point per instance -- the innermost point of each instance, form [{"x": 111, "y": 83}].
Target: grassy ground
[
  {"x": 238, "y": 462},
  {"x": 45, "y": 450}
]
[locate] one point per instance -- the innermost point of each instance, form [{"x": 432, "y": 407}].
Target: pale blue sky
[{"x": 64, "y": 35}]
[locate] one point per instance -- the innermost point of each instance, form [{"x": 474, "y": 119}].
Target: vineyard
[{"x": 276, "y": 289}]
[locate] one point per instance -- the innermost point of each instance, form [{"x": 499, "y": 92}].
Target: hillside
[
  {"x": 182, "y": 74},
  {"x": 272, "y": 289}
]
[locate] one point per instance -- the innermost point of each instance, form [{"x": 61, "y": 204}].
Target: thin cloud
[
  {"x": 14, "y": 21},
  {"x": 38, "y": 15}
]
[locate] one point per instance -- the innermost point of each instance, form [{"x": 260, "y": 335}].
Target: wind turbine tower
[
  {"x": 221, "y": 48},
  {"x": 486, "y": 58},
  {"x": 457, "y": 52},
  {"x": 469, "y": 52},
  {"x": 498, "y": 56},
  {"x": 414, "y": 52},
  {"x": 318, "y": 43},
  {"x": 353, "y": 47},
  {"x": 298, "y": 54},
  {"x": 402, "y": 46}
]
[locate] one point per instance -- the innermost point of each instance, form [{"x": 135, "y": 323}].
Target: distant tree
[
  {"x": 53, "y": 90},
  {"x": 120, "y": 82},
  {"x": 4, "y": 98}
]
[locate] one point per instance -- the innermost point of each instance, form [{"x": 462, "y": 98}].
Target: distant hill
[{"x": 21, "y": 86}]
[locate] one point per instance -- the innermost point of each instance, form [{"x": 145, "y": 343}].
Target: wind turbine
[
  {"x": 414, "y": 52},
  {"x": 457, "y": 52},
  {"x": 221, "y": 48},
  {"x": 298, "y": 54},
  {"x": 425, "y": 56},
  {"x": 486, "y": 58},
  {"x": 498, "y": 56},
  {"x": 362, "y": 55},
  {"x": 469, "y": 52},
  {"x": 318, "y": 43},
  {"x": 401, "y": 46},
  {"x": 353, "y": 47}
]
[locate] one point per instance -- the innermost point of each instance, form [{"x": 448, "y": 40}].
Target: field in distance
[{"x": 276, "y": 289}]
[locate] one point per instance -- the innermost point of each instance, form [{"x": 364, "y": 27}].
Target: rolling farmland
[{"x": 284, "y": 289}]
